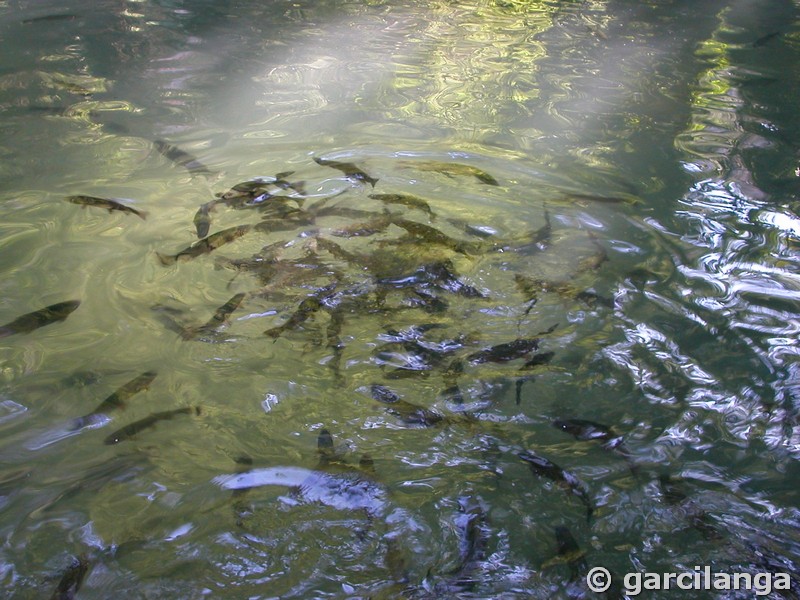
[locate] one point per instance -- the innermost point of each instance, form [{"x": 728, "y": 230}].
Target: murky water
[{"x": 616, "y": 180}]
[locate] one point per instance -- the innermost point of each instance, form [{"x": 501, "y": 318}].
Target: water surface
[{"x": 656, "y": 139}]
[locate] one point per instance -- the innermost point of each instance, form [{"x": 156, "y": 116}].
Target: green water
[{"x": 658, "y": 140}]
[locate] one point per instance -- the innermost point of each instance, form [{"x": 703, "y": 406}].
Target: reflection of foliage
[{"x": 470, "y": 63}]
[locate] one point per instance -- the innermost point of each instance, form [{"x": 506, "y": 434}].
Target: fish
[
  {"x": 133, "y": 429},
  {"x": 542, "y": 358},
  {"x": 531, "y": 287},
  {"x": 431, "y": 235},
  {"x": 763, "y": 39},
  {"x": 348, "y": 491},
  {"x": 541, "y": 467},
  {"x": 481, "y": 231},
  {"x": 473, "y": 540},
  {"x": 594, "y": 261},
  {"x": 450, "y": 169},
  {"x": 39, "y": 318},
  {"x": 539, "y": 240},
  {"x": 405, "y": 200},
  {"x": 440, "y": 274},
  {"x": 428, "y": 302},
  {"x": 181, "y": 158},
  {"x": 247, "y": 189},
  {"x": 241, "y": 508},
  {"x": 220, "y": 316},
  {"x": 518, "y": 387},
  {"x": 584, "y": 430},
  {"x": 109, "y": 205},
  {"x": 309, "y": 306},
  {"x": 206, "y": 245},
  {"x": 71, "y": 580},
  {"x": 325, "y": 447},
  {"x": 118, "y": 398},
  {"x": 674, "y": 493},
  {"x": 351, "y": 171},
  {"x": 602, "y": 199},
  {"x": 504, "y": 352},
  {"x": 202, "y": 219},
  {"x": 51, "y": 18},
  {"x": 284, "y": 184},
  {"x": 568, "y": 553},
  {"x": 408, "y": 413},
  {"x": 375, "y": 225},
  {"x": 334, "y": 342},
  {"x": 592, "y": 299}
]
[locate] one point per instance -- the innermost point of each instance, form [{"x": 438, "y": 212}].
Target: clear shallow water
[{"x": 689, "y": 348}]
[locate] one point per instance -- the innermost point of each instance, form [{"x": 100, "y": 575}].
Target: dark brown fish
[
  {"x": 568, "y": 553},
  {"x": 133, "y": 429},
  {"x": 408, "y": 413},
  {"x": 39, "y": 318},
  {"x": 450, "y": 169},
  {"x": 325, "y": 447},
  {"x": 50, "y": 18},
  {"x": 405, "y": 200},
  {"x": 335, "y": 344},
  {"x": 473, "y": 540},
  {"x": 220, "y": 316},
  {"x": 375, "y": 225},
  {"x": 296, "y": 186},
  {"x": 518, "y": 387},
  {"x": 202, "y": 219},
  {"x": 308, "y": 307},
  {"x": 541, "y": 467},
  {"x": 504, "y": 352},
  {"x": 247, "y": 189},
  {"x": 542, "y": 358},
  {"x": 763, "y": 39},
  {"x": 592, "y": 299},
  {"x": 675, "y": 493},
  {"x": 593, "y": 261},
  {"x": 584, "y": 430},
  {"x": 181, "y": 158},
  {"x": 351, "y": 171},
  {"x": 118, "y": 398},
  {"x": 72, "y": 579},
  {"x": 431, "y": 235},
  {"x": 206, "y": 245},
  {"x": 105, "y": 203},
  {"x": 603, "y": 199},
  {"x": 440, "y": 274}
]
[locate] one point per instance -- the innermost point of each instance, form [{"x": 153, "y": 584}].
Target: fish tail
[
  {"x": 165, "y": 259},
  {"x": 6, "y": 331},
  {"x": 142, "y": 214},
  {"x": 197, "y": 411}
]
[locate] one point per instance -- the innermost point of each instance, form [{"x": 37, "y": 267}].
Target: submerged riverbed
[{"x": 397, "y": 300}]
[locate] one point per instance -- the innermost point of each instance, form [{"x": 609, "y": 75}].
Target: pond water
[{"x": 472, "y": 236}]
